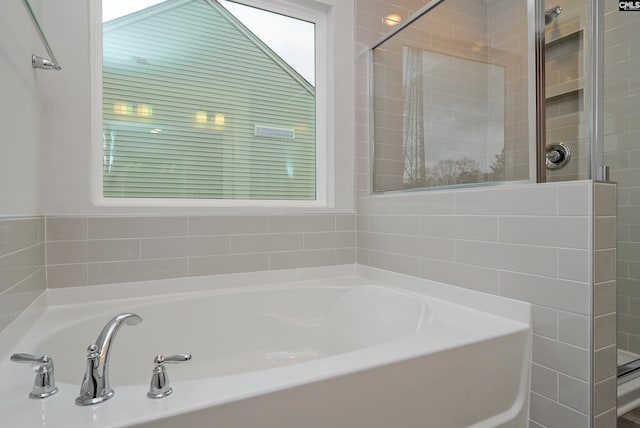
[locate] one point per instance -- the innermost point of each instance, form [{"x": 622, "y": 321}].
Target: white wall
[
  {"x": 67, "y": 117},
  {"x": 19, "y": 110}
]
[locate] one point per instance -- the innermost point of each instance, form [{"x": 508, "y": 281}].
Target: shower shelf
[
  {"x": 564, "y": 38},
  {"x": 565, "y": 88},
  {"x": 575, "y": 93},
  {"x": 563, "y": 58}
]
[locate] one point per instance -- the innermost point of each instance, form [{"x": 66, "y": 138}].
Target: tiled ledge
[{"x": 101, "y": 250}]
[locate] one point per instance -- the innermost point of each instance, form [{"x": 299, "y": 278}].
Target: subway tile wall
[
  {"x": 531, "y": 242},
  {"x": 604, "y": 306},
  {"x": 100, "y": 250},
  {"x": 22, "y": 265},
  {"x": 622, "y": 154}
]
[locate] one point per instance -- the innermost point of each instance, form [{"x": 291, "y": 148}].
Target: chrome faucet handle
[
  {"x": 44, "y": 385},
  {"x": 160, "y": 387}
]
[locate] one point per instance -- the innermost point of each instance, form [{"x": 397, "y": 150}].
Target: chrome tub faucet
[{"x": 95, "y": 386}]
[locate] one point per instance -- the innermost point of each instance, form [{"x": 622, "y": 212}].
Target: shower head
[{"x": 551, "y": 14}]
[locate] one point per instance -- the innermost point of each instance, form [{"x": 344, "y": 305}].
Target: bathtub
[{"x": 329, "y": 347}]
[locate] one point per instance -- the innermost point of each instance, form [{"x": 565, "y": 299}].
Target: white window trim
[{"x": 325, "y": 193}]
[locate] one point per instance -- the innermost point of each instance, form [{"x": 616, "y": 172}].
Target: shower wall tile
[
  {"x": 549, "y": 413},
  {"x": 67, "y": 228},
  {"x": 607, "y": 419},
  {"x": 564, "y": 358},
  {"x": 17, "y": 265},
  {"x": 605, "y": 318},
  {"x": 604, "y": 298},
  {"x": 264, "y": 243},
  {"x": 227, "y": 225},
  {"x": 67, "y": 275},
  {"x": 22, "y": 265},
  {"x": 507, "y": 257},
  {"x": 605, "y": 363},
  {"x": 545, "y": 321},
  {"x": 113, "y": 250},
  {"x": 302, "y": 223},
  {"x": 299, "y": 259},
  {"x": 562, "y": 232},
  {"x": 573, "y": 329},
  {"x": 139, "y": 270},
  {"x": 101, "y": 250},
  {"x": 604, "y": 397},
  {"x": 574, "y": 393},
  {"x": 18, "y": 298},
  {"x": 605, "y": 232},
  {"x": 535, "y": 201},
  {"x": 134, "y": 227},
  {"x": 480, "y": 228},
  {"x": 573, "y": 200},
  {"x": 326, "y": 240},
  {"x": 544, "y": 381},
  {"x": 236, "y": 263},
  {"x": 193, "y": 246},
  {"x": 558, "y": 294},
  {"x": 431, "y": 203},
  {"x": 573, "y": 265},
  {"x": 472, "y": 277}
]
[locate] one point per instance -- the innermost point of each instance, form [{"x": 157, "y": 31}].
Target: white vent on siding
[{"x": 270, "y": 131}]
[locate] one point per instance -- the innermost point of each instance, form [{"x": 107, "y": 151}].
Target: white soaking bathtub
[{"x": 285, "y": 349}]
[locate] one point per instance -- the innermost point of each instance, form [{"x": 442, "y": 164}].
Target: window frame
[{"x": 324, "y": 139}]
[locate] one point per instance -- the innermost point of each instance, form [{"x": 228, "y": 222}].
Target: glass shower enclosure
[
  {"x": 451, "y": 98},
  {"x": 455, "y": 105}
]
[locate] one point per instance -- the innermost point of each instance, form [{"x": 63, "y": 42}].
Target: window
[{"x": 202, "y": 101}]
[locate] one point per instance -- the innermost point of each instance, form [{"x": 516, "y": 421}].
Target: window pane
[{"x": 197, "y": 105}]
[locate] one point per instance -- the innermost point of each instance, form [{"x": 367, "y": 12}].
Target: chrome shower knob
[{"x": 557, "y": 155}]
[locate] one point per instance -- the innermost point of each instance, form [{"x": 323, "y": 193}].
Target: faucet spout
[{"x": 95, "y": 386}]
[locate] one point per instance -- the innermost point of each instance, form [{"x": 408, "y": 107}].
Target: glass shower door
[
  {"x": 622, "y": 155},
  {"x": 567, "y": 90}
]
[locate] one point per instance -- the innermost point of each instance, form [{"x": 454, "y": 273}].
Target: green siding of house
[{"x": 164, "y": 73}]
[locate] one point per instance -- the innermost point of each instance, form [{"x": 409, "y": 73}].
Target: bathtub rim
[{"x": 355, "y": 274}]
